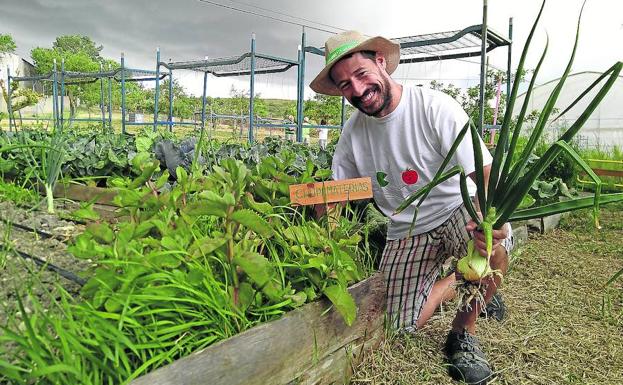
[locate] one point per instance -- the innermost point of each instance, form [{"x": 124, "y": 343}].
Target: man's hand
[{"x": 479, "y": 237}]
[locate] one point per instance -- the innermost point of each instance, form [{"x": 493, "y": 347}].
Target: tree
[
  {"x": 324, "y": 107},
  {"x": 80, "y": 54},
  {"x": 78, "y": 44},
  {"x": 7, "y": 44},
  {"x": 20, "y": 97}
]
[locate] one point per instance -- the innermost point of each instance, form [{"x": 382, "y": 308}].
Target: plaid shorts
[{"x": 412, "y": 265}]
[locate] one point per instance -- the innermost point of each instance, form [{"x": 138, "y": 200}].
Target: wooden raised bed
[
  {"x": 80, "y": 193},
  {"x": 307, "y": 346}
]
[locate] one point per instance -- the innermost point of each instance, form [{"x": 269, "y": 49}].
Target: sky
[{"x": 193, "y": 29}]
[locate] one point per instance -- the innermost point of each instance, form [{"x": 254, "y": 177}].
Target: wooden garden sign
[{"x": 331, "y": 191}]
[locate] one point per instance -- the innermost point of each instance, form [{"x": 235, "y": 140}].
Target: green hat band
[{"x": 340, "y": 50}]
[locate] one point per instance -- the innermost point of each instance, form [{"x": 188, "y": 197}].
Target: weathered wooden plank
[
  {"x": 605, "y": 172},
  {"x": 307, "y": 346},
  {"x": 83, "y": 193},
  {"x": 337, "y": 368}
]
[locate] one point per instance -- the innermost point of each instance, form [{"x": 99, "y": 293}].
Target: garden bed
[{"x": 307, "y": 346}]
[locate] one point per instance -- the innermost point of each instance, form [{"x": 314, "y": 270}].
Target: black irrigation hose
[
  {"x": 43, "y": 234},
  {"x": 58, "y": 270}
]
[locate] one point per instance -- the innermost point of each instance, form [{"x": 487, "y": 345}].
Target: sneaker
[
  {"x": 496, "y": 308},
  {"x": 466, "y": 358}
]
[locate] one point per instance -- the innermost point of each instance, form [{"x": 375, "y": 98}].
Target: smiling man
[{"x": 399, "y": 138}]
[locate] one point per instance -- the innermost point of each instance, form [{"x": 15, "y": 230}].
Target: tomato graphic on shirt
[{"x": 410, "y": 176}]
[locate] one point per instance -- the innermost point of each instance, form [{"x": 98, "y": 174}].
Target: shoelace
[{"x": 467, "y": 342}]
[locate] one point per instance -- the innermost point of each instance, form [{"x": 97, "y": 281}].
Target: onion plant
[
  {"x": 52, "y": 157},
  {"x": 500, "y": 198},
  {"x": 45, "y": 160}
]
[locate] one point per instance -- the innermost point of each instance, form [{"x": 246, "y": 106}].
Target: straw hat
[{"x": 345, "y": 43}]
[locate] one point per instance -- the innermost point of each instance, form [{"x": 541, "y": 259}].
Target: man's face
[{"x": 364, "y": 83}]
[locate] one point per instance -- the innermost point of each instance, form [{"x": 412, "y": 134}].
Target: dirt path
[{"x": 557, "y": 331}]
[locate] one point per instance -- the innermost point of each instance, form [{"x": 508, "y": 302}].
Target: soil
[{"x": 16, "y": 272}]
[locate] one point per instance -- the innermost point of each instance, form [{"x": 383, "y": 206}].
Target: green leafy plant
[
  {"x": 509, "y": 182},
  {"x": 186, "y": 265}
]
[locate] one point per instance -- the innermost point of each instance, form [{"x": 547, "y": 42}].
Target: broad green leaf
[
  {"x": 194, "y": 276},
  {"x": 101, "y": 232},
  {"x": 206, "y": 207},
  {"x": 163, "y": 179},
  {"x": 206, "y": 245},
  {"x": 252, "y": 221},
  {"x": 310, "y": 292},
  {"x": 139, "y": 160},
  {"x": 246, "y": 294},
  {"x": 86, "y": 213},
  {"x": 143, "y": 144},
  {"x": 323, "y": 174},
  {"x": 305, "y": 235},
  {"x": 263, "y": 207},
  {"x": 143, "y": 228},
  {"x": 164, "y": 259},
  {"x": 343, "y": 302},
  {"x": 182, "y": 175},
  {"x": 298, "y": 298},
  {"x": 526, "y": 202},
  {"x": 256, "y": 266},
  {"x": 260, "y": 271},
  {"x": 127, "y": 198},
  {"x": 113, "y": 304},
  {"x": 103, "y": 278},
  {"x": 147, "y": 171},
  {"x": 169, "y": 243}
]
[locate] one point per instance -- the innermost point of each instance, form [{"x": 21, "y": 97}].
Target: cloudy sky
[{"x": 192, "y": 29}]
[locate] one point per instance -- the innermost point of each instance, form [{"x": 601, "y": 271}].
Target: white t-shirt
[
  {"x": 323, "y": 133},
  {"x": 408, "y": 146}
]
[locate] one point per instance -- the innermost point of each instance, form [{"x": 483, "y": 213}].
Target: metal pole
[
  {"x": 483, "y": 69},
  {"x": 63, "y": 92},
  {"x": 9, "y": 107},
  {"x": 55, "y": 96},
  {"x": 203, "y": 101},
  {"x": 509, "y": 61},
  {"x": 122, "y": 93},
  {"x": 252, "y": 88},
  {"x": 102, "y": 97},
  {"x": 301, "y": 88},
  {"x": 212, "y": 121},
  {"x": 343, "y": 113},
  {"x": 157, "y": 90},
  {"x": 110, "y": 100},
  {"x": 170, "y": 100}
]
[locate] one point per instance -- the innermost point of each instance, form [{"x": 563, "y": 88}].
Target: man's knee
[{"x": 499, "y": 259}]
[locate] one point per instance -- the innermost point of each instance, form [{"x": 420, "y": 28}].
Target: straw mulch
[{"x": 563, "y": 326}]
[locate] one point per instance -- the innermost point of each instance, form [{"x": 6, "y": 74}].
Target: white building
[
  {"x": 18, "y": 67},
  {"x": 604, "y": 128}
]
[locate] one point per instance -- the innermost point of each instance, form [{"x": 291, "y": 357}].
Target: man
[
  {"x": 323, "y": 134},
  {"x": 399, "y": 137}
]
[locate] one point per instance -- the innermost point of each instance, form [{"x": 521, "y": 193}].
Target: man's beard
[{"x": 386, "y": 97}]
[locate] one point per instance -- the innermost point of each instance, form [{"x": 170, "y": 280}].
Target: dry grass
[{"x": 561, "y": 326}]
